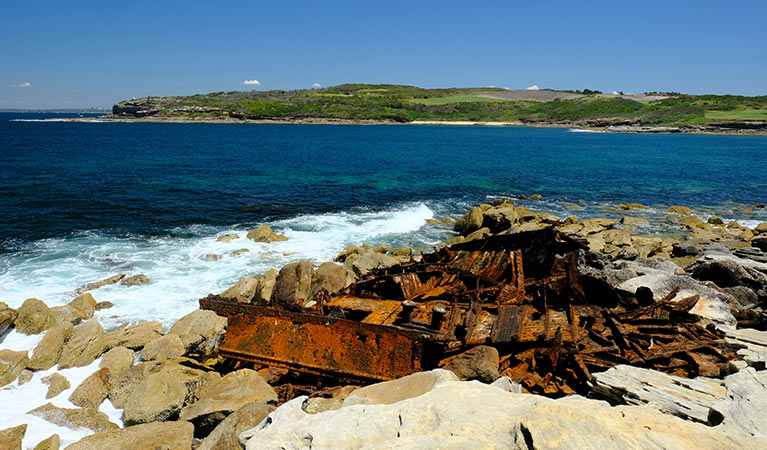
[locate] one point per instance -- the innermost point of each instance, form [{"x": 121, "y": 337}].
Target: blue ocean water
[{"x": 144, "y": 178}]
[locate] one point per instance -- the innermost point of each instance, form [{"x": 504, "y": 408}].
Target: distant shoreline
[{"x": 330, "y": 121}]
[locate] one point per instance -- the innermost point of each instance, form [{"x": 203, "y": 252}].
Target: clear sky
[{"x": 95, "y": 53}]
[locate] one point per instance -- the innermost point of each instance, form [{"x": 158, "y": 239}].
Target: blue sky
[{"x": 84, "y": 53}]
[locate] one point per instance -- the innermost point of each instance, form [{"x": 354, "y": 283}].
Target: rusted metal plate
[{"x": 340, "y": 348}]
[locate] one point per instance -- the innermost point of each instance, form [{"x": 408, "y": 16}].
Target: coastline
[{"x": 331, "y": 121}]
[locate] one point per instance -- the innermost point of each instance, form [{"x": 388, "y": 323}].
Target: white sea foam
[{"x": 581, "y": 130}]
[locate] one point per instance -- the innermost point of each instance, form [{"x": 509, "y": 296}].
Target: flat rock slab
[
  {"x": 74, "y": 418},
  {"x": 149, "y": 436}
]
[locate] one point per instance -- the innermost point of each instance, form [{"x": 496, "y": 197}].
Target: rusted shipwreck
[{"x": 520, "y": 293}]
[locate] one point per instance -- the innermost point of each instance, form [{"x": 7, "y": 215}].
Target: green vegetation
[{"x": 409, "y": 103}]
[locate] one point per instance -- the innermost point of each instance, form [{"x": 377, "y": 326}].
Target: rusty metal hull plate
[{"x": 321, "y": 345}]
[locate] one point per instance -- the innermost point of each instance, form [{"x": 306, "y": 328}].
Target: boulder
[
  {"x": 57, "y": 384},
  {"x": 118, "y": 360},
  {"x": 331, "y": 278},
  {"x": 92, "y": 391},
  {"x": 200, "y": 331},
  {"x": 478, "y": 234},
  {"x": 367, "y": 260},
  {"x": 8, "y": 315},
  {"x": 728, "y": 272},
  {"x": 713, "y": 220},
  {"x": 471, "y": 221},
  {"x": 65, "y": 314},
  {"x": 134, "y": 337},
  {"x": 264, "y": 233},
  {"x": 410, "y": 386},
  {"x": 48, "y": 351},
  {"x": 712, "y": 305},
  {"x": 12, "y": 363},
  {"x": 224, "y": 436},
  {"x": 85, "y": 305},
  {"x": 51, "y": 443},
  {"x": 292, "y": 286},
  {"x": 240, "y": 251},
  {"x": 761, "y": 228},
  {"x": 759, "y": 242},
  {"x": 25, "y": 377},
  {"x": 121, "y": 386},
  {"x": 227, "y": 237},
  {"x": 103, "y": 305},
  {"x": 101, "y": 283},
  {"x": 33, "y": 317},
  {"x": 168, "y": 346},
  {"x": 136, "y": 280},
  {"x": 683, "y": 210},
  {"x": 10, "y": 438},
  {"x": 255, "y": 290},
  {"x": 232, "y": 392},
  {"x": 149, "y": 436},
  {"x": 591, "y": 226},
  {"x": 684, "y": 249},
  {"x": 479, "y": 363},
  {"x": 84, "y": 346},
  {"x": 158, "y": 398},
  {"x": 634, "y": 221},
  {"x": 629, "y": 206},
  {"x": 74, "y": 418},
  {"x": 470, "y": 414},
  {"x": 498, "y": 219}
]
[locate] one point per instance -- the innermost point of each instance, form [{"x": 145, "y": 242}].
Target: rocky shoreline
[
  {"x": 734, "y": 128},
  {"x": 175, "y": 390}
]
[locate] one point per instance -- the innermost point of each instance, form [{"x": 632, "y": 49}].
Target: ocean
[{"x": 80, "y": 202}]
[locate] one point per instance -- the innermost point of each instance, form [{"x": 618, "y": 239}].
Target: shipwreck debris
[{"x": 520, "y": 293}]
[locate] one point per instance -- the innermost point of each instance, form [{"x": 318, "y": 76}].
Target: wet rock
[
  {"x": 683, "y": 210},
  {"x": 74, "y": 418},
  {"x": 92, "y": 391},
  {"x": 118, "y": 360},
  {"x": 713, "y": 220},
  {"x": 52, "y": 443},
  {"x": 7, "y": 316},
  {"x": 478, "y": 234},
  {"x": 629, "y": 206},
  {"x": 65, "y": 314},
  {"x": 105, "y": 282},
  {"x": 12, "y": 363},
  {"x": 257, "y": 290},
  {"x": 103, "y": 305},
  {"x": 158, "y": 398},
  {"x": 10, "y": 438},
  {"x": 469, "y": 222},
  {"x": 240, "y": 251},
  {"x": 410, "y": 386},
  {"x": 84, "y": 346},
  {"x": 166, "y": 347},
  {"x": 48, "y": 351},
  {"x": 291, "y": 288},
  {"x": 149, "y": 436},
  {"x": 591, "y": 226},
  {"x": 200, "y": 331},
  {"x": 134, "y": 337},
  {"x": 211, "y": 257},
  {"x": 227, "y": 237},
  {"x": 57, "y": 384},
  {"x": 479, "y": 363},
  {"x": 634, "y": 221},
  {"x": 760, "y": 243},
  {"x": 684, "y": 249},
  {"x": 85, "y": 305},
  {"x": 761, "y": 228},
  {"x": 264, "y": 233},
  {"x": 224, "y": 436},
  {"x": 232, "y": 392},
  {"x": 136, "y": 280},
  {"x": 433, "y": 222},
  {"x": 331, "y": 278},
  {"x": 25, "y": 377},
  {"x": 33, "y": 317}
]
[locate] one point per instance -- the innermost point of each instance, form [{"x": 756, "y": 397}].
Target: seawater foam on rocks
[{"x": 17, "y": 400}]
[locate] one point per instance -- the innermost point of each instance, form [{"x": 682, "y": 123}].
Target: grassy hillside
[{"x": 408, "y": 103}]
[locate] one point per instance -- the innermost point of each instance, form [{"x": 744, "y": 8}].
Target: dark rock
[
  {"x": 760, "y": 242},
  {"x": 727, "y": 273},
  {"x": 684, "y": 249},
  {"x": 745, "y": 298},
  {"x": 627, "y": 254}
]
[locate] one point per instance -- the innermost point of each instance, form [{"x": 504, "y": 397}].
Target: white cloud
[
  {"x": 533, "y": 88},
  {"x": 25, "y": 84},
  {"x": 316, "y": 85},
  {"x": 251, "y": 82}
]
